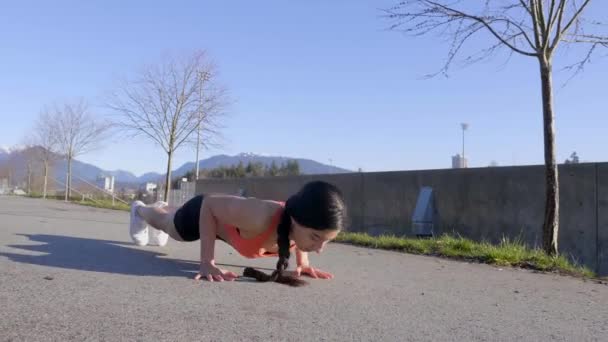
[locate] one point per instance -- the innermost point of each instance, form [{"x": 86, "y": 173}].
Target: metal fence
[
  {"x": 177, "y": 197},
  {"x": 86, "y": 191}
]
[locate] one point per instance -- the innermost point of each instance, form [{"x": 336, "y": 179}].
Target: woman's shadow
[{"x": 100, "y": 256}]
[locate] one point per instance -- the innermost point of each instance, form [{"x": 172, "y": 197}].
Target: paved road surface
[{"x": 101, "y": 287}]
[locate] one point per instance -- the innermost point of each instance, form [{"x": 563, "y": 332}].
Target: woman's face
[{"x": 311, "y": 240}]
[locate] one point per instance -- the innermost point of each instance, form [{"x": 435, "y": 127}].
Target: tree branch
[
  {"x": 486, "y": 24},
  {"x": 528, "y": 9},
  {"x": 541, "y": 22},
  {"x": 560, "y": 33},
  {"x": 164, "y": 106}
]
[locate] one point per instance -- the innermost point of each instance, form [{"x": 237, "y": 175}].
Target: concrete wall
[
  {"x": 478, "y": 203},
  {"x": 602, "y": 219}
]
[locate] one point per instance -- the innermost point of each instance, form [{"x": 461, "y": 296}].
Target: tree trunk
[
  {"x": 168, "y": 177},
  {"x": 66, "y": 186},
  {"x": 29, "y": 179},
  {"x": 551, "y": 223},
  {"x": 46, "y": 174},
  {"x": 68, "y": 179}
]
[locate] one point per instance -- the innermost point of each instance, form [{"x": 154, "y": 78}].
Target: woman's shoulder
[{"x": 239, "y": 202}]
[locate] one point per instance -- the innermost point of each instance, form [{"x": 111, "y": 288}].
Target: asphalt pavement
[{"x": 71, "y": 273}]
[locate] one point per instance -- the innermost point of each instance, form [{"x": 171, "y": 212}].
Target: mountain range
[{"x": 17, "y": 159}]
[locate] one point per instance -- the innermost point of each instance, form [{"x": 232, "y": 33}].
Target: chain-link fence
[
  {"x": 179, "y": 196},
  {"x": 86, "y": 191}
]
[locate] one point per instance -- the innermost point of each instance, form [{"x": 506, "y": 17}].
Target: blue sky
[{"x": 316, "y": 79}]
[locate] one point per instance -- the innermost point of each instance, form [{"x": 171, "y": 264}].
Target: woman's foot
[
  {"x": 138, "y": 227},
  {"x": 158, "y": 237}
]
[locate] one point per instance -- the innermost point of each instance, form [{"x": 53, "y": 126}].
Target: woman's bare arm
[
  {"x": 249, "y": 214},
  {"x": 246, "y": 213}
]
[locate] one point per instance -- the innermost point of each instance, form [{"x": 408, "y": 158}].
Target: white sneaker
[
  {"x": 138, "y": 227},
  {"x": 156, "y": 236}
]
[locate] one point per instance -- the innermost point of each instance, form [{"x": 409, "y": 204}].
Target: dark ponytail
[
  {"x": 318, "y": 205},
  {"x": 283, "y": 241}
]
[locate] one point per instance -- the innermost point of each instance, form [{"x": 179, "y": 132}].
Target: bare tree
[
  {"x": 169, "y": 102},
  {"x": 30, "y": 154},
  {"x": 23, "y": 162},
  {"x": 532, "y": 28},
  {"x": 77, "y": 132},
  {"x": 44, "y": 144}
]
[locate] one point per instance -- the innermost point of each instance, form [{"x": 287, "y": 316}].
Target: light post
[
  {"x": 464, "y": 126},
  {"x": 203, "y": 76}
]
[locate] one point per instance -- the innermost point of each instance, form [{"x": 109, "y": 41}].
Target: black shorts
[{"x": 187, "y": 219}]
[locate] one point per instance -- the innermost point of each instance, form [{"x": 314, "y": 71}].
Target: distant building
[
  {"x": 106, "y": 182},
  {"x": 3, "y": 185},
  {"x": 458, "y": 162},
  {"x": 149, "y": 187}
]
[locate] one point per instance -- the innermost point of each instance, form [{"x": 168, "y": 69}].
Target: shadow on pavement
[
  {"x": 104, "y": 256},
  {"x": 99, "y": 256}
]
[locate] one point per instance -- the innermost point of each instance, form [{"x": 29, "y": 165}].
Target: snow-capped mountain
[{"x": 17, "y": 159}]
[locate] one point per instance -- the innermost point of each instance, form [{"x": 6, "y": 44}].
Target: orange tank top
[{"x": 252, "y": 248}]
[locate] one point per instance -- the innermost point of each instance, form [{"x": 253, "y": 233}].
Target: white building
[
  {"x": 149, "y": 187},
  {"x": 106, "y": 182},
  {"x": 458, "y": 162},
  {"x": 3, "y": 185}
]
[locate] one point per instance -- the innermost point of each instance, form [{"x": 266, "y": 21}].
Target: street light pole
[
  {"x": 464, "y": 128},
  {"x": 202, "y": 76}
]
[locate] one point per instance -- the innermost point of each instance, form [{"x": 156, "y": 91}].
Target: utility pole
[
  {"x": 464, "y": 126},
  {"x": 202, "y": 78},
  {"x": 29, "y": 178}
]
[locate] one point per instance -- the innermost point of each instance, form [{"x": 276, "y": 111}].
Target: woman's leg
[
  {"x": 161, "y": 218},
  {"x": 158, "y": 237}
]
